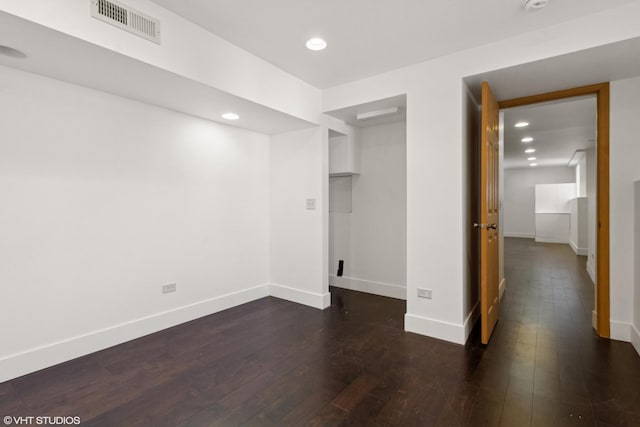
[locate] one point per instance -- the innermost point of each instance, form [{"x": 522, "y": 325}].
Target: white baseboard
[
  {"x": 594, "y": 319},
  {"x": 551, "y": 240},
  {"x": 635, "y": 338},
  {"x": 620, "y": 331},
  {"x": 471, "y": 320},
  {"x": 299, "y": 296},
  {"x": 435, "y": 328},
  {"x": 592, "y": 273},
  {"x": 520, "y": 235},
  {"x": 577, "y": 250},
  {"x": 501, "y": 288},
  {"x": 32, "y": 360},
  {"x": 376, "y": 288},
  {"x": 626, "y": 332}
]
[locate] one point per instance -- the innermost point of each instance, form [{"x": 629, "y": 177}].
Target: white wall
[
  {"x": 471, "y": 179},
  {"x": 104, "y": 200},
  {"x": 579, "y": 226},
  {"x": 519, "y": 196},
  {"x": 635, "y": 332},
  {"x": 624, "y": 170},
  {"x": 592, "y": 213},
  {"x": 378, "y": 223},
  {"x": 375, "y": 260},
  {"x": 581, "y": 177},
  {"x": 299, "y": 236},
  {"x": 340, "y": 208}
]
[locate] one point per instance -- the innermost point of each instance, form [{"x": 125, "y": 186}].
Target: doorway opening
[
  {"x": 367, "y": 199},
  {"x": 601, "y": 206}
]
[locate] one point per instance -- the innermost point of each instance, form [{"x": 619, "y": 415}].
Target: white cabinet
[
  {"x": 553, "y": 212},
  {"x": 344, "y": 155}
]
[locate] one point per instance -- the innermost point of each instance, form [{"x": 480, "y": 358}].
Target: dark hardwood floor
[{"x": 275, "y": 363}]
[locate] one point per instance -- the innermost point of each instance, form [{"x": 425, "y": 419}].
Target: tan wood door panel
[{"x": 489, "y": 214}]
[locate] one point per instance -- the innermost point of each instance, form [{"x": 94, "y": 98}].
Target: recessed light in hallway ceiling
[
  {"x": 527, "y": 139},
  {"x": 316, "y": 43},
  {"x": 521, "y": 124},
  {"x": 533, "y": 5},
  {"x": 230, "y": 116}
]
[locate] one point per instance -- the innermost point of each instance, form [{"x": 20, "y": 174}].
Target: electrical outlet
[
  {"x": 424, "y": 293},
  {"x": 171, "y": 287}
]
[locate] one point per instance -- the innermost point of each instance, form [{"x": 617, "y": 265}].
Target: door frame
[{"x": 601, "y": 90}]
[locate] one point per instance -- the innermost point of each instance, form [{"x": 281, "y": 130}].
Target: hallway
[{"x": 560, "y": 371}]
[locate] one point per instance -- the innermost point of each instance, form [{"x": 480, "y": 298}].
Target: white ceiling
[
  {"x": 558, "y": 128},
  {"x": 368, "y": 37},
  {"x": 54, "y": 54},
  {"x": 615, "y": 61},
  {"x": 57, "y": 55}
]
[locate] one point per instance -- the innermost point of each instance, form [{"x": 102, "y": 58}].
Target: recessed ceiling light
[
  {"x": 532, "y": 5},
  {"x": 377, "y": 113},
  {"x": 230, "y": 116},
  {"x": 530, "y": 150},
  {"x": 316, "y": 43},
  {"x": 527, "y": 139},
  {"x": 531, "y": 158},
  {"x": 533, "y": 164},
  {"x": 522, "y": 124},
  {"x": 13, "y": 53}
]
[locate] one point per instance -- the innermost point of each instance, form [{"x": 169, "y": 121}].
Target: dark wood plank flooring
[{"x": 275, "y": 363}]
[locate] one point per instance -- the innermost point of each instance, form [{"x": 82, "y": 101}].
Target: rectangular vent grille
[{"x": 128, "y": 19}]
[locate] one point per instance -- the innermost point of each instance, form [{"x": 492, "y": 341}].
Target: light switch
[{"x": 311, "y": 204}]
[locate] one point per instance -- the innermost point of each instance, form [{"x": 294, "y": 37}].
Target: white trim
[
  {"x": 502, "y": 287},
  {"x": 471, "y": 320},
  {"x": 32, "y": 360},
  {"x": 369, "y": 286},
  {"x": 620, "y": 331},
  {"x": 550, "y": 240},
  {"x": 635, "y": 338},
  {"x": 435, "y": 328},
  {"x": 591, "y": 272},
  {"x": 312, "y": 299},
  {"x": 594, "y": 319},
  {"x": 577, "y": 250},
  {"x": 519, "y": 235}
]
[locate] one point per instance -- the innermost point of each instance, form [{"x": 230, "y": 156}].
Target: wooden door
[{"x": 489, "y": 212}]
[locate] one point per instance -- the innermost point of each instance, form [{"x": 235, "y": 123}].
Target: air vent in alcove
[{"x": 131, "y": 20}]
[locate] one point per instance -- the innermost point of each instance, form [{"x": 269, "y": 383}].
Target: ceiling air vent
[{"x": 122, "y": 16}]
